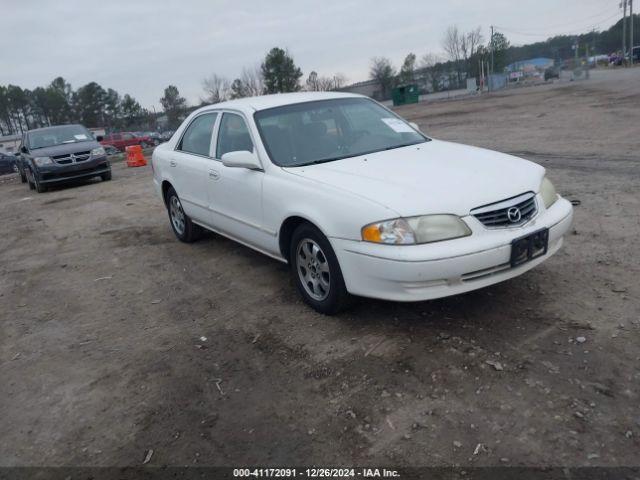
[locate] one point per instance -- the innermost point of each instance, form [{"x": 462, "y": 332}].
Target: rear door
[{"x": 190, "y": 164}]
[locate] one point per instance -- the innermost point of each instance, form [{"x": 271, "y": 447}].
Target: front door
[{"x": 236, "y": 193}]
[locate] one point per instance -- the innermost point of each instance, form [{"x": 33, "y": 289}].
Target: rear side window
[
  {"x": 233, "y": 136},
  {"x": 197, "y": 137}
]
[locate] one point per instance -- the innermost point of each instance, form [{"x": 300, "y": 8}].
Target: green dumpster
[{"x": 405, "y": 94}]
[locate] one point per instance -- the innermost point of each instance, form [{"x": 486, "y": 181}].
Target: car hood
[
  {"x": 64, "y": 149},
  {"x": 432, "y": 177}
]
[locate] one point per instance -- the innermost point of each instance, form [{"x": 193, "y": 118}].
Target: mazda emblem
[{"x": 514, "y": 215}]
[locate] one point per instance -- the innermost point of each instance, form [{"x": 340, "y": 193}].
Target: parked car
[
  {"x": 153, "y": 135},
  {"x": 110, "y": 150},
  {"x": 61, "y": 153},
  {"x": 166, "y": 135},
  {"x": 552, "y": 72},
  {"x": 8, "y": 163},
  {"x": 125, "y": 139},
  {"x": 355, "y": 199}
]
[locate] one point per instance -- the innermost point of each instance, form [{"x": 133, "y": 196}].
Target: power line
[{"x": 546, "y": 32}]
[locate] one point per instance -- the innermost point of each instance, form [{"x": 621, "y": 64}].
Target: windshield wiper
[{"x": 322, "y": 160}]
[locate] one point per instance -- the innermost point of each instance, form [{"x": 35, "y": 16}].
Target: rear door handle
[
  {"x": 172, "y": 163},
  {"x": 213, "y": 174}
]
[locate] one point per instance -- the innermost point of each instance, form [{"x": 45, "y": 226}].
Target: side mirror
[
  {"x": 99, "y": 138},
  {"x": 414, "y": 125},
  {"x": 241, "y": 159}
]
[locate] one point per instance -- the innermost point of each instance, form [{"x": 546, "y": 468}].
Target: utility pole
[
  {"x": 492, "y": 47},
  {"x": 624, "y": 28},
  {"x": 489, "y": 79},
  {"x": 631, "y": 31}
]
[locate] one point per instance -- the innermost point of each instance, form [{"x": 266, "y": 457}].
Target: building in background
[{"x": 533, "y": 67}]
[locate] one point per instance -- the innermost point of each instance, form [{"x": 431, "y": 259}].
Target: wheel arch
[
  {"x": 287, "y": 228},
  {"x": 166, "y": 185}
]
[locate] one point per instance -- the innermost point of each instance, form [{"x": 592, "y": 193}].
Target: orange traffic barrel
[{"x": 135, "y": 158}]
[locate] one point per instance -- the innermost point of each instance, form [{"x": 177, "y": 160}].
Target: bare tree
[
  {"x": 452, "y": 43},
  {"x": 316, "y": 83},
  {"x": 429, "y": 60},
  {"x": 252, "y": 81},
  {"x": 383, "y": 72},
  {"x": 339, "y": 80},
  {"x": 216, "y": 88},
  {"x": 312, "y": 82},
  {"x": 469, "y": 43},
  {"x": 461, "y": 46}
]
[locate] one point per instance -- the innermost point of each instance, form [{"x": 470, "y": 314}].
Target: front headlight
[
  {"x": 40, "y": 161},
  {"x": 548, "y": 192},
  {"x": 96, "y": 152},
  {"x": 416, "y": 230}
]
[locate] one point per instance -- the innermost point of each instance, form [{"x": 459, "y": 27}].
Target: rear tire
[
  {"x": 316, "y": 272},
  {"x": 23, "y": 177},
  {"x": 183, "y": 228}
]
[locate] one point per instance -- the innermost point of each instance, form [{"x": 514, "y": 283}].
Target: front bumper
[
  {"x": 424, "y": 272},
  {"x": 53, "y": 173}
]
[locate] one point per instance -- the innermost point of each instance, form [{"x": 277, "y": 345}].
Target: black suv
[{"x": 61, "y": 153}]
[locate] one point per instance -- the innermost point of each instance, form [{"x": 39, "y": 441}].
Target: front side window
[
  {"x": 328, "y": 130},
  {"x": 197, "y": 136},
  {"x": 233, "y": 135}
]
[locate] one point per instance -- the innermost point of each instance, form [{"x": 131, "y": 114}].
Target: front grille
[
  {"x": 512, "y": 212},
  {"x": 72, "y": 157}
]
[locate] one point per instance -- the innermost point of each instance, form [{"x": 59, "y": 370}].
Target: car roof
[{"x": 264, "y": 102}]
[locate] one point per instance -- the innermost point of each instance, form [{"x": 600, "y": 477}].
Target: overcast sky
[{"x": 141, "y": 46}]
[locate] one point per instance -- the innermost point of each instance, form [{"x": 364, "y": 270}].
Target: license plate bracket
[{"x": 533, "y": 245}]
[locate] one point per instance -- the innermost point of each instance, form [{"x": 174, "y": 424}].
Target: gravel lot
[{"x": 103, "y": 354}]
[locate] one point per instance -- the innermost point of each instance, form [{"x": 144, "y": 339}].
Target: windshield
[
  {"x": 328, "y": 130},
  {"x": 48, "y": 137}
]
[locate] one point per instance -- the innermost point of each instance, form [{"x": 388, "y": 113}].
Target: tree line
[
  {"x": 277, "y": 73},
  {"x": 465, "y": 52},
  {"x": 58, "y": 103}
]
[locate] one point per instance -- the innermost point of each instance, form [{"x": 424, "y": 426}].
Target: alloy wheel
[
  {"x": 313, "y": 269},
  {"x": 177, "y": 215}
]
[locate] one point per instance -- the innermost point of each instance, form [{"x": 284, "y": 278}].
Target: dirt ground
[{"x": 115, "y": 338}]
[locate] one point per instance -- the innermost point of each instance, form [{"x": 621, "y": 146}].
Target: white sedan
[{"x": 357, "y": 200}]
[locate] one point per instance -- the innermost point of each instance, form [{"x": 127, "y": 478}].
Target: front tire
[
  {"x": 316, "y": 271},
  {"x": 39, "y": 187},
  {"x": 183, "y": 228},
  {"x": 106, "y": 176}
]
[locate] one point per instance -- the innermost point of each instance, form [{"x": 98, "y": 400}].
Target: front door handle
[
  {"x": 214, "y": 175},
  {"x": 172, "y": 163}
]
